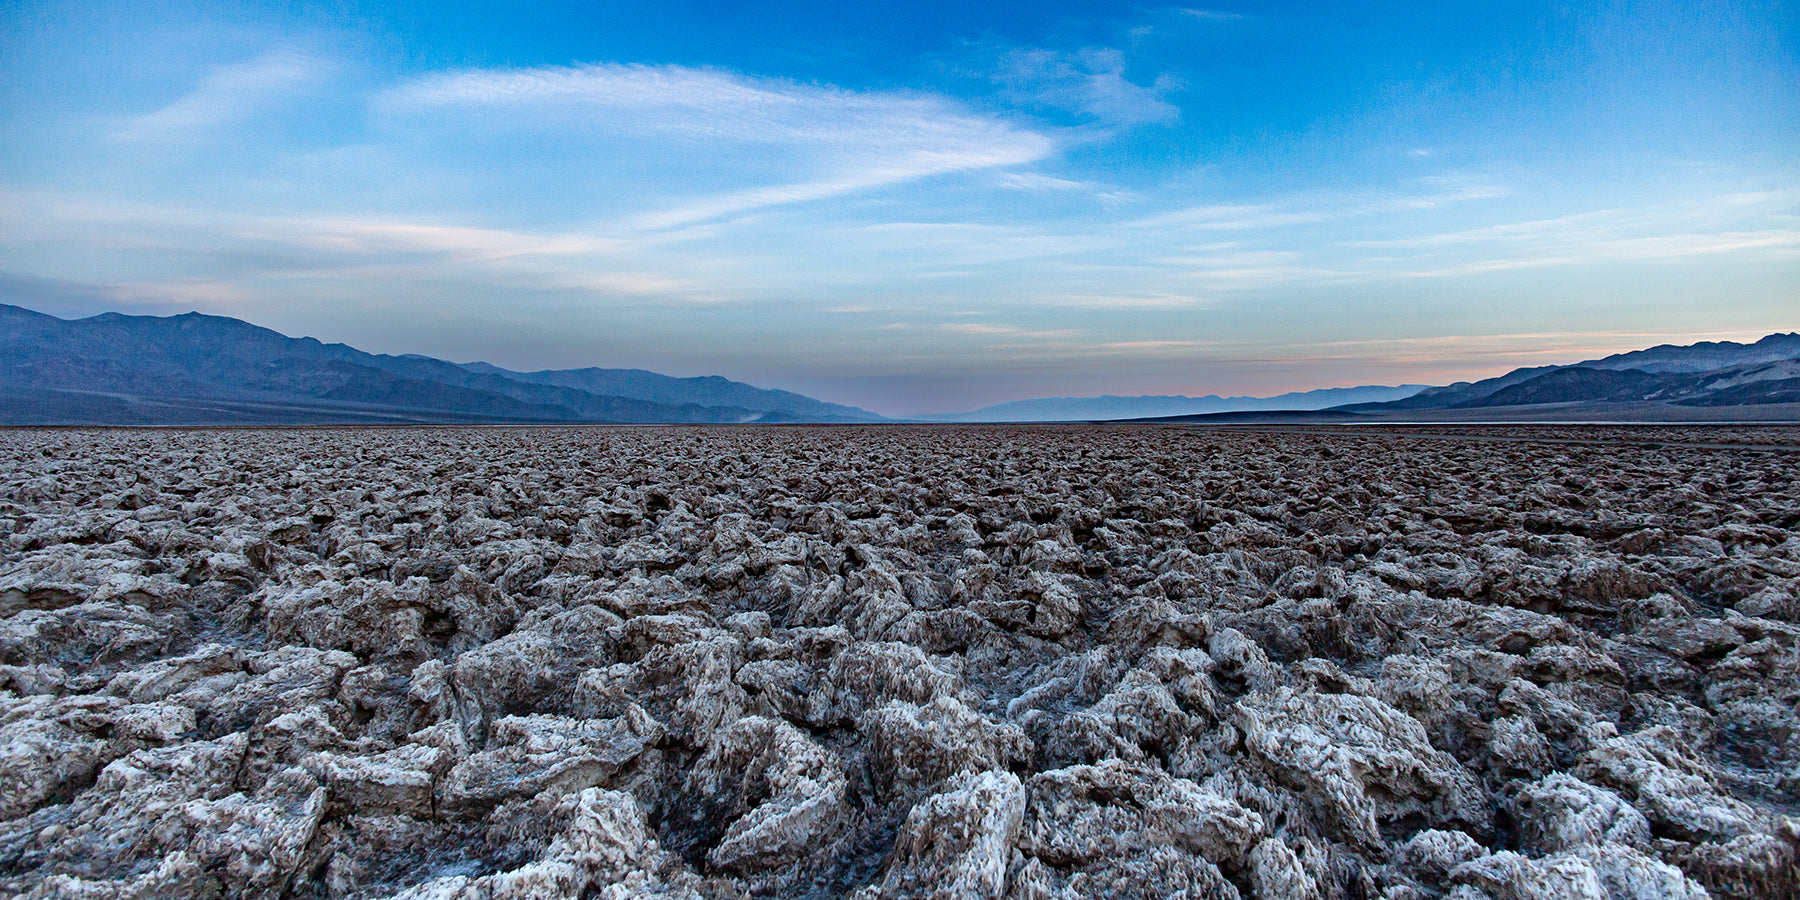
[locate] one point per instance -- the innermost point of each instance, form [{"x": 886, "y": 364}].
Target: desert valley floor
[{"x": 1021, "y": 662}]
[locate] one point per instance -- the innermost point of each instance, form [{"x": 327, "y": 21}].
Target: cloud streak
[
  {"x": 228, "y": 94},
  {"x": 844, "y": 141},
  {"x": 1319, "y": 208},
  {"x": 1726, "y": 223},
  {"x": 1213, "y": 15},
  {"x": 245, "y": 254},
  {"x": 1089, "y": 83}
]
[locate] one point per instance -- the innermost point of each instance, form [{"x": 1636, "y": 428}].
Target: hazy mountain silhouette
[
  {"x": 1085, "y": 409},
  {"x": 199, "y": 369},
  {"x": 709, "y": 390}
]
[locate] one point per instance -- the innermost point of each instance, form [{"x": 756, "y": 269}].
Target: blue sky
[{"x": 919, "y": 207}]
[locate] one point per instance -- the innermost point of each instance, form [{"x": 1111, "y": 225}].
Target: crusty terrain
[{"x": 899, "y": 662}]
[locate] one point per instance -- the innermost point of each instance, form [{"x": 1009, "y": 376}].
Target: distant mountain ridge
[
  {"x": 1704, "y": 374},
  {"x": 1087, "y": 409},
  {"x": 1705, "y": 356},
  {"x": 707, "y": 390},
  {"x": 1723, "y": 373},
  {"x": 196, "y": 369}
]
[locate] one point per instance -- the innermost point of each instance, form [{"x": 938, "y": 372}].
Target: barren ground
[{"x": 1022, "y": 662}]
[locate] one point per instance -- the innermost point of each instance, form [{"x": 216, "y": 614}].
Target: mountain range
[
  {"x": 1642, "y": 383},
  {"x": 1707, "y": 374},
  {"x": 196, "y": 369}
]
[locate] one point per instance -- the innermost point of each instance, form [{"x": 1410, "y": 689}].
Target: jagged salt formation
[{"x": 902, "y": 662}]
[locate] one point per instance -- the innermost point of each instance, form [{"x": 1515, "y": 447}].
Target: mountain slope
[
  {"x": 711, "y": 390},
  {"x": 1577, "y": 383},
  {"x": 1752, "y": 384},
  {"x": 1775, "y": 382},
  {"x": 1708, "y": 373},
  {"x": 199, "y": 369},
  {"x": 1705, "y": 356}
]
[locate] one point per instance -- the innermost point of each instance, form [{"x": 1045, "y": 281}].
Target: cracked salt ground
[{"x": 899, "y": 662}]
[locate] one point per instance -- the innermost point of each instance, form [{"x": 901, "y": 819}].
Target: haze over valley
[{"x": 195, "y": 369}]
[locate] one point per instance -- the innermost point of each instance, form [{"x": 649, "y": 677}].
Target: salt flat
[{"x": 1499, "y": 662}]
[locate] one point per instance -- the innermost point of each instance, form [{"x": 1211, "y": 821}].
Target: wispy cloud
[
  {"x": 1605, "y": 224},
  {"x": 1727, "y": 223},
  {"x": 70, "y": 297},
  {"x": 1032, "y": 181},
  {"x": 1653, "y": 247},
  {"x": 1317, "y": 208},
  {"x": 180, "y": 292},
  {"x": 240, "y": 250},
  {"x": 1237, "y": 217},
  {"x": 1011, "y": 331},
  {"x": 872, "y": 174},
  {"x": 982, "y": 329},
  {"x": 1213, "y": 15},
  {"x": 384, "y": 237},
  {"x": 226, "y": 95},
  {"x": 1088, "y": 82},
  {"x": 845, "y": 141}
]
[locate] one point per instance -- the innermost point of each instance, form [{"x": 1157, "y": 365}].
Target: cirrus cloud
[
  {"x": 1089, "y": 83},
  {"x": 829, "y": 140},
  {"x": 226, "y": 95}
]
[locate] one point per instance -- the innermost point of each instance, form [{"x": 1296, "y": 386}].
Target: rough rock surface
[{"x": 900, "y": 662}]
